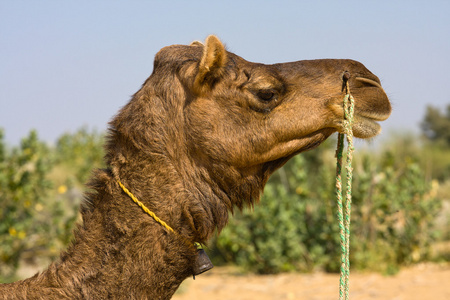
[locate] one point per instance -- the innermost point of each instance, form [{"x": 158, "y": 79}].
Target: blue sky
[{"x": 67, "y": 64}]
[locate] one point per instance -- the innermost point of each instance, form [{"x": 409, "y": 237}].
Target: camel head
[{"x": 234, "y": 122}]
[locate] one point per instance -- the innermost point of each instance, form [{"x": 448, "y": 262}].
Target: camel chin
[{"x": 365, "y": 128}]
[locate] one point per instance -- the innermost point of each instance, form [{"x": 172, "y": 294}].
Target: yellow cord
[{"x": 144, "y": 208}]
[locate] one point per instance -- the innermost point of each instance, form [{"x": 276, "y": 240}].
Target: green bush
[
  {"x": 40, "y": 191},
  {"x": 77, "y": 154},
  {"x": 25, "y": 228},
  {"x": 393, "y": 212}
]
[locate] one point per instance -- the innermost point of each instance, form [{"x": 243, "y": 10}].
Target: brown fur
[{"x": 201, "y": 136}]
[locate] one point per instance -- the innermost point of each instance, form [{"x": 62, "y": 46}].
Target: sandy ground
[{"x": 424, "y": 281}]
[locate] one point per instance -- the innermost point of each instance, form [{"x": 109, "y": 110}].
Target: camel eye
[{"x": 266, "y": 95}]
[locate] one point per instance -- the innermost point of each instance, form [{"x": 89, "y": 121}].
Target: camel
[{"x": 197, "y": 141}]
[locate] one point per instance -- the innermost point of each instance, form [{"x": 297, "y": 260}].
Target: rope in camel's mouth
[{"x": 344, "y": 215}]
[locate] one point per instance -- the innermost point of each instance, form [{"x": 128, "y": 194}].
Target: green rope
[{"x": 344, "y": 217}]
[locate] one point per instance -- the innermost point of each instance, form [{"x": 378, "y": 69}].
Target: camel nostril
[
  {"x": 345, "y": 80},
  {"x": 346, "y": 76},
  {"x": 369, "y": 81}
]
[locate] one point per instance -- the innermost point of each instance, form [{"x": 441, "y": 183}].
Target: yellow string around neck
[{"x": 144, "y": 208}]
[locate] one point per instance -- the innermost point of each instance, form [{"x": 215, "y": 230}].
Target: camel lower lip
[{"x": 365, "y": 127}]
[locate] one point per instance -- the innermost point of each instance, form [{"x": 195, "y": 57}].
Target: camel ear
[{"x": 211, "y": 66}]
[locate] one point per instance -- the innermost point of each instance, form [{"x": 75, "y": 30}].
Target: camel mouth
[
  {"x": 365, "y": 124},
  {"x": 371, "y": 106},
  {"x": 373, "y": 116}
]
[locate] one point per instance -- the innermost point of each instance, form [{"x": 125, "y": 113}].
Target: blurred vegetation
[
  {"x": 40, "y": 191},
  {"x": 398, "y": 195},
  {"x": 24, "y": 188},
  {"x": 77, "y": 154},
  {"x": 436, "y": 125},
  {"x": 436, "y": 129}
]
